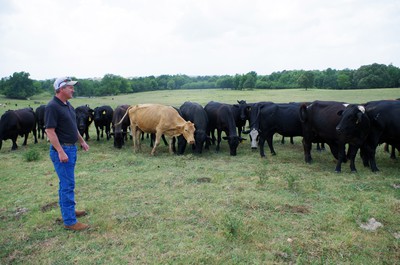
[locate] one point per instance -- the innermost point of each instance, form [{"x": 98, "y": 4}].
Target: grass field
[{"x": 207, "y": 209}]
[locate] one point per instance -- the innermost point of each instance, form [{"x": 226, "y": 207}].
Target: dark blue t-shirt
[{"x": 62, "y": 117}]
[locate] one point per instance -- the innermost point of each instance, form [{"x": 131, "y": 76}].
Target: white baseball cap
[{"x": 63, "y": 81}]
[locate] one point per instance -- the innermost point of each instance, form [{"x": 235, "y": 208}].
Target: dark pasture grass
[{"x": 199, "y": 209}]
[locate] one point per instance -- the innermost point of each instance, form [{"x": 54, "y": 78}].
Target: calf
[
  {"x": 84, "y": 117},
  {"x": 240, "y": 113},
  {"x": 39, "y": 112},
  {"x": 158, "y": 119},
  {"x": 17, "y": 122},
  {"x": 102, "y": 120},
  {"x": 120, "y": 131},
  {"x": 353, "y": 128},
  {"x": 220, "y": 117}
]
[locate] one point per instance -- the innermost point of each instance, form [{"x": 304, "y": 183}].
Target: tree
[
  {"x": 306, "y": 79},
  {"x": 18, "y": 86},
  {"x": 250, "y": 80}
]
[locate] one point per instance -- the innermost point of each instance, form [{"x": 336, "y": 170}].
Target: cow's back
[
  {"x": 152, "y": 117},
  {"x": 323, "y": 117},
  {"x": 385, "y": 117}
]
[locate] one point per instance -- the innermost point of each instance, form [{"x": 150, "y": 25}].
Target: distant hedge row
[{"x": 19, "y": 85}]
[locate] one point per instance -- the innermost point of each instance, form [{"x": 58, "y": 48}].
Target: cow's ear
[
  {"x": 242, "y": 139},
  {"x": 340, "y": 112}
]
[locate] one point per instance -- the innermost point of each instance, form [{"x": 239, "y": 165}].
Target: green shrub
[{"x": 32, "y": 155}]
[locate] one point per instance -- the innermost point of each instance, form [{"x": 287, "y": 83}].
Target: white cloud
[{"x": 136, "y": 38}]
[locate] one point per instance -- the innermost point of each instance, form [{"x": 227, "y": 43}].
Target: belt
[{"x": 66, "y": 144}]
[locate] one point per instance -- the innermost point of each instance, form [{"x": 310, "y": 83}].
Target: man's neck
[{"x": 63, "y": 99}]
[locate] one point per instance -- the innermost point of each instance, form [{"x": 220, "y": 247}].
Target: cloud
[{"x": 137, "y": 38}]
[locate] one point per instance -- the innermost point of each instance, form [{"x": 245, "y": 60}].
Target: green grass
[{"x": 207, "y": 209}]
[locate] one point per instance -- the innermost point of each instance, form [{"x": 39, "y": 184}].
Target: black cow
[
  {"x": 195, "y": 113},
  {"x": 17, "y": 122},
  {"x": 120, "y": 131},
  {"x": 240, "y": 114},
  {"x": 40, "y": 120},
  {"x": 384, "y": 117},
  {"x": 84, "y": 117},
  {"x": 320, "y": 120},
  {"x": 102, "y": 120},
  {"x": 267, "y": 118},
  {"x": 220, "y": 117},
  {"x": 353, "y": 128}
]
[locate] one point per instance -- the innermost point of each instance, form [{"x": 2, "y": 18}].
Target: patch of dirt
[
  {"x": 207, "y": 180},
  {"x": 299, "y": 209},
  {"x": 49, "y": 206}
]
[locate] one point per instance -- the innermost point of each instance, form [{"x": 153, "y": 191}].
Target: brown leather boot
[
  {"x": 76, "y": 227},
  {"x": 80, "y": 213}
]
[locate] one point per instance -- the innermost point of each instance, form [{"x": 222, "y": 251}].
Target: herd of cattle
[{"x": 337, "y": 124}]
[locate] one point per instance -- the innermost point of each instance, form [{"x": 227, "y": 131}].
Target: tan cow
[{"x": 158, "y": 119}]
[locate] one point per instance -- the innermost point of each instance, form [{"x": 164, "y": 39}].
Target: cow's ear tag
[
  {"x": 90, "y": 119},
  {"x": 104, "y": 112}
]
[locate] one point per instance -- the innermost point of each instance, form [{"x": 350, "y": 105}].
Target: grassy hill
[{"x": 200, "y": 209}]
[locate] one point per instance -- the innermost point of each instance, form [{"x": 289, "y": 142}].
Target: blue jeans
[{"x": 66, "y": 175}]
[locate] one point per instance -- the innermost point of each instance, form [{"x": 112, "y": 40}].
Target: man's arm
[
  {"x": 82, "y": 142},
  {"x": 51, "y": 134}
]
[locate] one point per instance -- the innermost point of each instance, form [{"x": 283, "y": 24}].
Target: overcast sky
[{"x": 50, "y": 38}]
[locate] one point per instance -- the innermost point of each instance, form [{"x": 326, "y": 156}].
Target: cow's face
[
  {"x": 233, "y": 142},
  {"x": 200, "y": 138},
  {"x": 99, "y": 114},
  {"x": 243, "y": 109},
  {"x": 188, "y": 132},
  {"x": 254, "y": 138},
  {"x": 353, "y": 123},
  {"x": 82, "y": 121}
]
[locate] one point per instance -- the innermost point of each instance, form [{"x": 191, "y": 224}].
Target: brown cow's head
[{"x": 188, "y": 132}]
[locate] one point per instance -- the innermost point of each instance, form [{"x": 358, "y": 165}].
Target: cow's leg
[
  {"x": 171, "y": 145},
  {"x": 34, "y": 135},
  {"x": 307, "y": 150},
  {"x": 25, "y": 138},
  {"x": 181, "y": 144},
  {"x": 87, "y": 134},
  {"x": 156, "y": 142},
  {"x": 291, "y": 140},
  {"x": 283, "y": 140},
  {"x": 218, "y": 139},
  {"x": 212, "y": 136},
  {"x": 135, "y": 135},
  {"x": 270, "y": 144},
  {"x": 14, "y": 145},
  {"x": 108, "y": 130},
  {"x": 352, "y": 156},
  {"x": 261, "y": 143},
  {"x": 138, "y": 141},
  {"x": 393, "y": 153},
  {"x": 341, "y": 154},
  {"x": 98, "y": 133},
  {"x": 372, "y": 160}
]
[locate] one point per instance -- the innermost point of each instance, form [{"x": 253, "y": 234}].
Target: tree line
[{"x": 19, "y": 85}]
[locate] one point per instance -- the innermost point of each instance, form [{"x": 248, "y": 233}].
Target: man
[{"x": 62, "y": 131}]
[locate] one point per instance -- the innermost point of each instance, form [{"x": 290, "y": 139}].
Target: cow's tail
[
  {"x": 126, "y": 113},
  {"x": 303, "y": 113}
]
